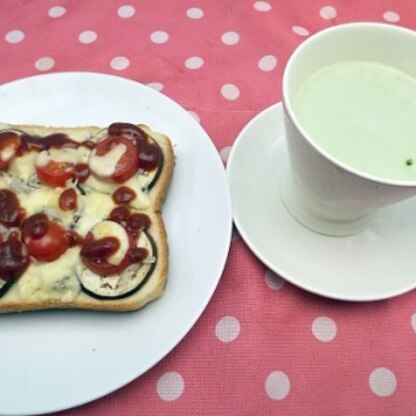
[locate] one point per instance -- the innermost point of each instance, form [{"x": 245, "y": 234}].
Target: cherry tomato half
[
  {"x": 9, "y": 144},
  {"x": 127, "y": 165},
  {"x": 55, "y": 173},
  {"x": 51, "y": 245}
]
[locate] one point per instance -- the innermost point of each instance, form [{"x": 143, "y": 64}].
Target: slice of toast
[{"x": 77, "y": 278}]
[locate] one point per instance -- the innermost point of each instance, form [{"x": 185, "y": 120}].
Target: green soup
[{"x": 363, "y": 114}]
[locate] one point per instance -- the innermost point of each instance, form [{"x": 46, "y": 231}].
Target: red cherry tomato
[
  {"x": 51, "y": 245},
  {"x": 55, "y": 173},
  {"x": 9, "y": 144},
  {"x": 127, "y": 165}
]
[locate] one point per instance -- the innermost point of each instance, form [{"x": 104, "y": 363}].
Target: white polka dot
[
  {"x": 195, "y": 13},
  {"x": 230, "y": 91},
  {"x": 126, "y": 11},
  {"x": 56, "y": 11},
  {"x": 14, "y": 36},
  {"x": 119, "y": 63},
  {"x": 227, "y": 329},
  {"x": 273, "y": 281},
  {"x": 87, "y": 36},
  {"x": 195, "y": 116},
  {"x": 391, "y": 17},
  {"x": 262, "y": 6},
  {"x": 413, "y": 322},
  {"x": 230, "y": 38},
  {"x": 156, "y": 86},
  {"x": 194, "y": 62},
  {"x": 382, "y": 382},
  {"x": 328, "y": 12},
  {"x": 301, "y": 31},
  {"x": 268, "y": 63},
  {"x": 277, "y": 385},
  {"x": 324, "y": 329},
  {"x": 170, "y": 386},
  {"x": 224, "y": 153},
  {"x": 159, "y": 37},
  {"x": 44, "y": 64}
]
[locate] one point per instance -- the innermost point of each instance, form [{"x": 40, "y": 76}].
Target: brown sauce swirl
[
  {"x": 35, "y": 227},
  {"x": 11, "y": 214},
  {"x": 68, "y": 200},
  {"x": 13, "y": 259},
  {"x": 123, "y": 195},
  {"x": 99, "y": 250}
]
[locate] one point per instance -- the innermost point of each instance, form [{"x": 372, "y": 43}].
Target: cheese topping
[
  {"x": 95, "y": 207},
  {"x": 137, "y": 182},
  {"x": 105, "y": 165},
  {"x": 53, "y": 280},
  {"x": 23, "y": 167},
  {"x": 46, "y": 200},
  {"x": 112, "y": 229},
  {"x": 7, "y": 153},
  {"x": 68, "y": 155}
]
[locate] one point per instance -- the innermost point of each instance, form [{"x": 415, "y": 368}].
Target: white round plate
[
  {"x": 53, "y": 360},
  {"x": 376, "y": 264}
]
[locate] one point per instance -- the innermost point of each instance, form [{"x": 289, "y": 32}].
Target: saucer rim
[{"x": 357, "y": 298}]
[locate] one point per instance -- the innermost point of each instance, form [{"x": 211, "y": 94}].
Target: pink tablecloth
[{"x": 262, "y": 346}]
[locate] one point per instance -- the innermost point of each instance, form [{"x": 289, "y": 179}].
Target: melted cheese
[
  {"x": 4, "y": 180},
  {"x": 69, "y": 155},
  {"x": 137, "y": 183},
  {"x": 7, "y": 153},
  {"x": 105, "y": 165},
  {"x": 46, "y": 200},
  {"x": 53, "y": 280},
  {"x": 23, "y": 167},
  {"x": 95, "y": 208}
]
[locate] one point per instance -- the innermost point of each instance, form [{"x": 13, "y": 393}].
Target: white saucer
[{"x": 378, "y": 263}]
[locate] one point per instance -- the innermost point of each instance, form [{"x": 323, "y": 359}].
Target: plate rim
[{"x": 225, "y": 246}]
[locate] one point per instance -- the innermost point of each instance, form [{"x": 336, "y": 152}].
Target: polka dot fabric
[{"x": 262, "y": 346}]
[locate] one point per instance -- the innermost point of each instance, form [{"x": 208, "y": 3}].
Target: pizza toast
[{"x": 80, "y": 216}]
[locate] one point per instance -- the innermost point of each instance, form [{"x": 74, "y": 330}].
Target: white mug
[{"x": 321, "y": 192}]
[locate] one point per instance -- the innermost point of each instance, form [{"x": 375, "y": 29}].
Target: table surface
[{"x": 262, "y": 346}]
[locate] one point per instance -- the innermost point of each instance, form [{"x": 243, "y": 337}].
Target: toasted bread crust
[{"x": 155, "y": 285}]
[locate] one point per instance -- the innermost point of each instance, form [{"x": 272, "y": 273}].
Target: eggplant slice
[
  {"x": 159, "y": 168},
  {"x": 119, "y": 287},
  {"x": 5, "y": 285}
]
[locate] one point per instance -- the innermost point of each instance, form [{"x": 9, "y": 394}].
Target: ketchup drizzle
[
  {"x": 11, "y": 214},
  {"x": 13, "y": 259},
  {"x": 68, "y": 200},
  {"x": 98, "y": 250},
  {"x": 29, "y": 143},
  {"x": 82, "y": 171},
  {"x": 34, "y": 227},
  {"x": 123, "y": 195}
]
